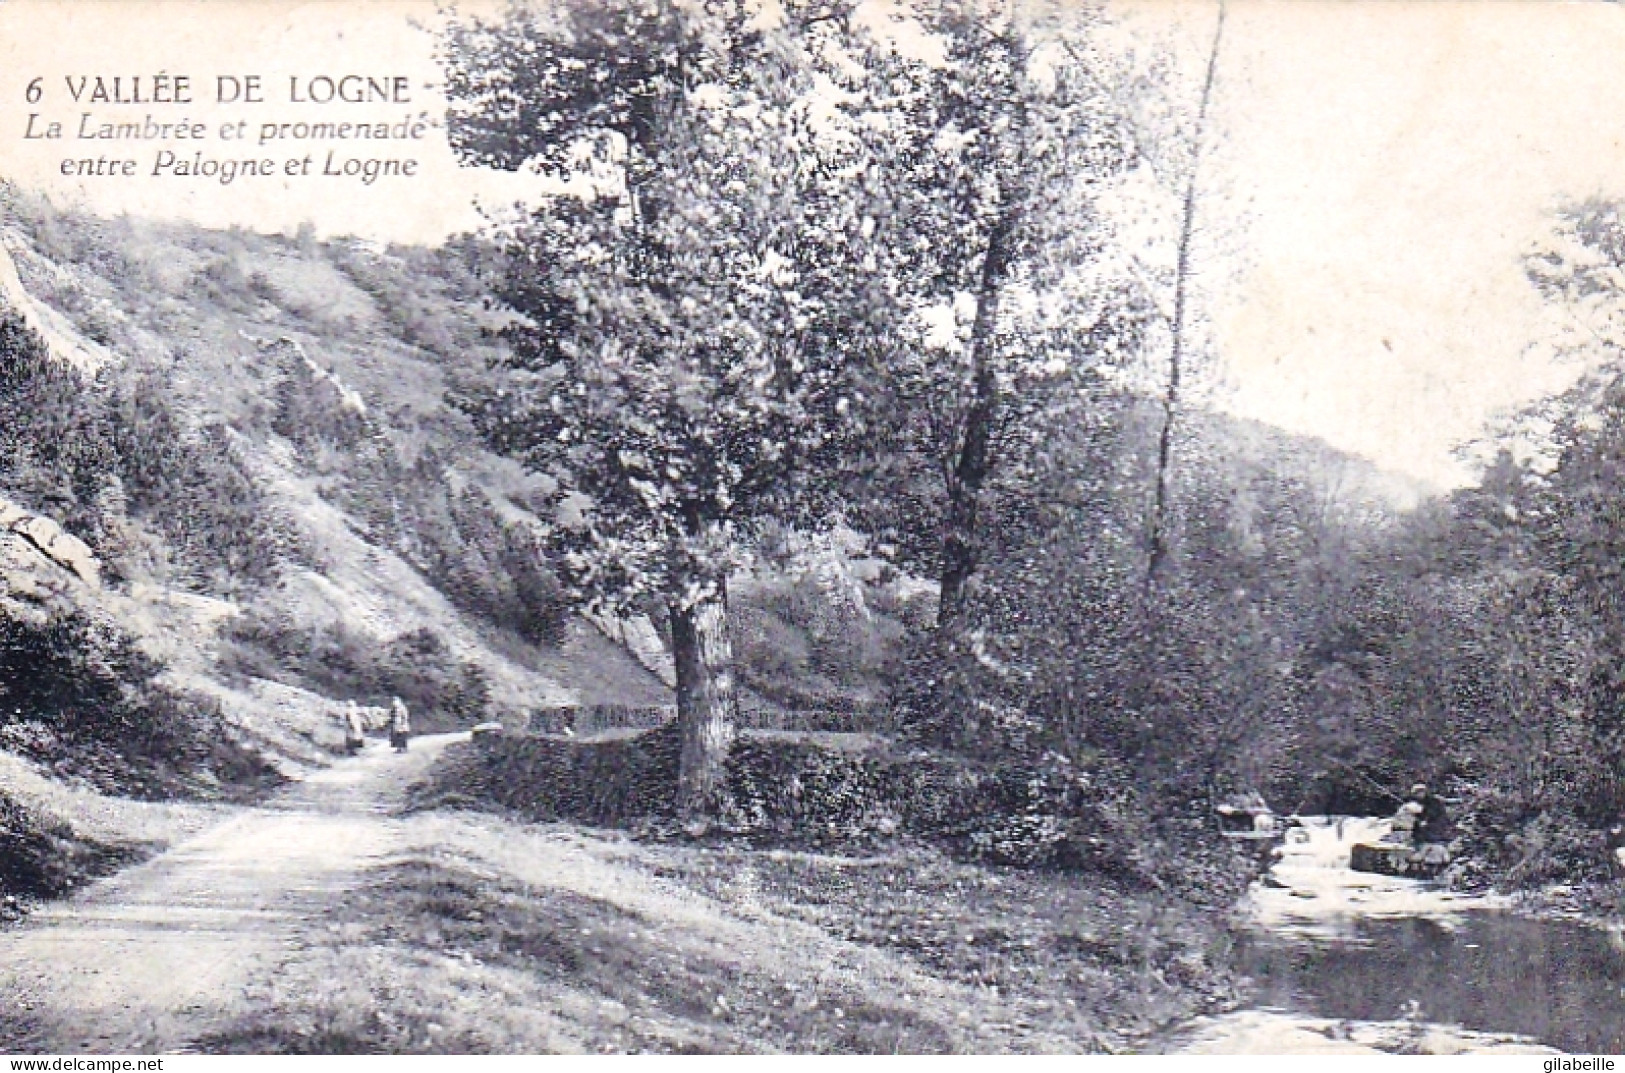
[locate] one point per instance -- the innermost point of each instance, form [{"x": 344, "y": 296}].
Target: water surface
[
  {"x": 1323, "y": 942},
  {"x": 1557, "y": 982}
]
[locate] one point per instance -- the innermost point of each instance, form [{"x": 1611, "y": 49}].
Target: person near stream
[
  {"x": 355, "y": 731},
  {"x": 1432, "y": 820},
  {"x": 1430, "y": 834},
  {"x": 400, "y": 724},
  {"x": 1403, "y": 828}
]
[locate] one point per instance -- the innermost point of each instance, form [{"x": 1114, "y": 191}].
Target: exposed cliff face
[
  {"x": 44, "y": 571},
  {"x": 55, "y": 328},
  {"x": 33, "y": 586}
]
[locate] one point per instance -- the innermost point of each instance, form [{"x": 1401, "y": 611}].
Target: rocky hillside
[{"x": 286, "y": 511}]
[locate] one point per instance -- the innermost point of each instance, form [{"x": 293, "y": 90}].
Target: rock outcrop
[
  {"x": 638, "y": 636},
  {"x": 61, "y": 547},
  {"x": 42, "y": 567}
]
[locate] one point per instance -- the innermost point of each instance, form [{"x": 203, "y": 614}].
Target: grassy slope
[{"x": 491, "y": 936}]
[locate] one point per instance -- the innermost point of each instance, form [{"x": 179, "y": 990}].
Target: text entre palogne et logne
[{"x": 93, "y": 114}]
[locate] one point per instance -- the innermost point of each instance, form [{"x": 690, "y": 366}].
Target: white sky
[{"x": 1379, "y": 170}]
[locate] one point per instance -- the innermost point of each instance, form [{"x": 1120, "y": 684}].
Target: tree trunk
[
  {"x": 706, "y": 707},
  {"x": 961, "y": 542},
  {"x": 1165, "y": 439}
]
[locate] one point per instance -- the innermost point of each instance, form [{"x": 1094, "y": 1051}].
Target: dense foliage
[
  {"x": 98, "y": 454},
  {"x": 79, "y": 696},
  {"x": 1479, "y": 644}
]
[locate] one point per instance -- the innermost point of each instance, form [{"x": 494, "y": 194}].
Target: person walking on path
[
  {"x": 355, "y": 731},
  {"x": 400, "y": 725}
]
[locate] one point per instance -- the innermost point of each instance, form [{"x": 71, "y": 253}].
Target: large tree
[
  {"x": 1566, "y": 513},
  {"x": 695, "y": 333},
  {"x": 1008, "y": 140},
  {"x": 1004, "y": 131}
]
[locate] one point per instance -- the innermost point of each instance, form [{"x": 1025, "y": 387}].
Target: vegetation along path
[{"x": 150, "y": 959}]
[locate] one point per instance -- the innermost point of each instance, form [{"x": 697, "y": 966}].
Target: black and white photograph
[{"x": 812, "y": 527}]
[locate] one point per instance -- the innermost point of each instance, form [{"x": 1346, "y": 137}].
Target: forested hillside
[
  {"x": 295, "y": 472},
  {"x": 250, "y": 488},
  {"x": 287, "y": 450},
  {"x": 303, "y": 432}
]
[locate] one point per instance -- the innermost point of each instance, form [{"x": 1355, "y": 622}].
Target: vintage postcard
[{"x": 811, "y": 527}]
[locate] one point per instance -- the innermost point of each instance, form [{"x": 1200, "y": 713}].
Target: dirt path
[{"x": 154, "y": 957}]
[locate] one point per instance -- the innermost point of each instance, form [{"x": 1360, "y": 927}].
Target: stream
[{"x": 1343, "y": 961}]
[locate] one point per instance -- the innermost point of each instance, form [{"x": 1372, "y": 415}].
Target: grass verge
[{"x": 495, "y": 936}]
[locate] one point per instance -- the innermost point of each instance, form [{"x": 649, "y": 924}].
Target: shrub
[
  {"x": 418, "y": 292},
  {"x": 441, "y": 691},
  {"x": 801, "y": 790},
  {"x": 1555, "y": 847},
  {"x": 79, "y": 696},
  {"x": 809, "y": 650},
  {"x": 225, "y": 283},
  {"x": 193, "y": 488},
  {"x": 54, "y": 451},
  {"x": 768, "y": 649},
  {"x": 1517, "y": 845}
]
